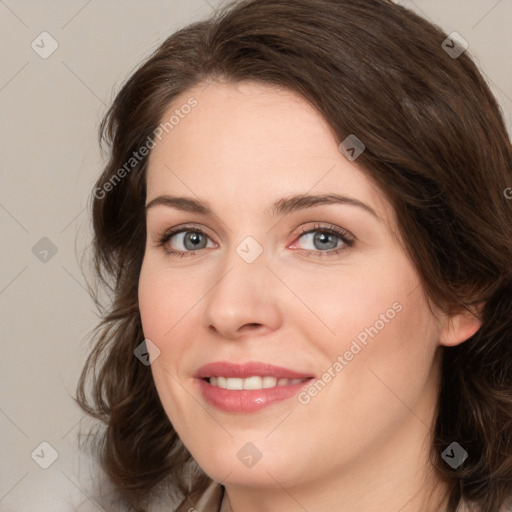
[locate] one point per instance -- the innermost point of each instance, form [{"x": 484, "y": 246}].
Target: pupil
[
  {"x": 194, "y": 239},
  {"x": 323, "y": 238}
]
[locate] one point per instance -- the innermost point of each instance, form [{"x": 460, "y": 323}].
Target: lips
[
  {"x": 240, "y": 388},
  {"x": 251, "y": 369}
]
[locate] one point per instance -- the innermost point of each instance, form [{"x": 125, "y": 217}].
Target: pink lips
[
  {"x": 247, "y": 400},
  {"x": 247, "y": 370}
]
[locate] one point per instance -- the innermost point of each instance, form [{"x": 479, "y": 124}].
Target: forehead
[
  {"x": 245, "y": 123},
  {"x": 249, "y": 141}
]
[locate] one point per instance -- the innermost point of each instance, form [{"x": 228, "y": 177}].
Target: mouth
[
  {"x": 254, "y": 382},
  {"x": 249, "y": 387}
]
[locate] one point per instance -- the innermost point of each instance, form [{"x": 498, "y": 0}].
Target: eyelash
[{"x": 343, "y": 235}]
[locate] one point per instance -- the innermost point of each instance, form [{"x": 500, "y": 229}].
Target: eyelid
[
  {"x": 161, "y": 237},
  {"x": 342, "y": 234},
  {"x": 319, "y": 226},
  {"x": 183, "y": 227}
]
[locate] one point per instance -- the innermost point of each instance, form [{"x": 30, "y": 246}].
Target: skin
[{"x": 360, "y": 444}]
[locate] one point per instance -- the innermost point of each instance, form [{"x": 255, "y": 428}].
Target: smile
[
  {"x": 249, "y": 387},
  {"x": 254, "y": 382}
]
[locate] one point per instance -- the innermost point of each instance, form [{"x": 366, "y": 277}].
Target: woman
[{"x": 243, "y": 364}]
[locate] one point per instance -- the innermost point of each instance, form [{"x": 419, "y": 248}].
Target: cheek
[
  {"x": 153, "y": 302},
  {"x": 166, "y": 297},
  {"x": 379, "y": 362},
  {"x": 163, "y": 301},
  {"x": 373, "y": 329},
  {"x": 387, "y": 341},
  {"x": 355, "y": 302}
]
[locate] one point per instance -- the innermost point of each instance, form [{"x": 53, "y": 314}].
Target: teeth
[
  {"x": 256, "y": 382},
  {"x": 253, "y": 383},
  {"x": 234, "y": 383},
  {"x": 269, "y": 382}
]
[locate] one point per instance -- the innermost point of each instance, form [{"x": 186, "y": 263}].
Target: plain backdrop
[{"x": 50, "y": 111}]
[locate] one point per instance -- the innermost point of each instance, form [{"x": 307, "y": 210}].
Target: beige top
[
  {"x": 206, "y": 505},
  {"x": 463, "y": 507}
]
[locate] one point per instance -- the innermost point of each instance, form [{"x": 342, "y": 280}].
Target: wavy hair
[{"x": 436, "y": 145}]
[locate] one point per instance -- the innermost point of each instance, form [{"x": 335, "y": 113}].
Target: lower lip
[{"x": 247, "y": 400}]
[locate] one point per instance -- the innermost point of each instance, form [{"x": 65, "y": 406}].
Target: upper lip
[{"x": 250, "y": 369}]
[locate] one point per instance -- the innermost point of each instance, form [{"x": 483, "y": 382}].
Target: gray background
[{"x": 51, "y": 109}]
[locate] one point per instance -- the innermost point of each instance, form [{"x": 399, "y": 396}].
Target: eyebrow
[{"x": 282, "y": 206}]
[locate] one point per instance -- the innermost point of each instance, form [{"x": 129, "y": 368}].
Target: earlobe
[{"x": 461, "y": 326}]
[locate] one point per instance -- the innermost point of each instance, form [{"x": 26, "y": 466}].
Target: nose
[{"x": 243, "y": 300}]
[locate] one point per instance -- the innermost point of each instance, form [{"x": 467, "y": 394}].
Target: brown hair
[{"x": 437, "y": 146}]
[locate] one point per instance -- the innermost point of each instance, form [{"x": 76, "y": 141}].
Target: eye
[
  {"x": 326, "y": 239},
  {"x": 322, "y": 240},
  {"x": 184, "y": 241}
]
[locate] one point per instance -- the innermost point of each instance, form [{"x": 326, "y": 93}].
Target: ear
[{"x": 461, "y": 326}]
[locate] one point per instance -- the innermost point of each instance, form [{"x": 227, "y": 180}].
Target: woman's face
[{"x": 275, "y": 277}]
